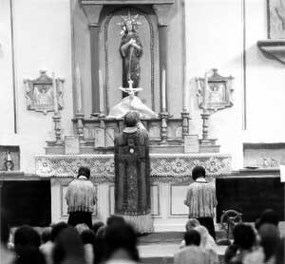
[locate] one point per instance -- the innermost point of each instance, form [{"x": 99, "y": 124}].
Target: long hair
[{"x": 121, "y": 236}]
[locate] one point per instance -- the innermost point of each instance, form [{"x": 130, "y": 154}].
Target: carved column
[
  {"x": 162, "y": 16},
  {"x": 94, "y": 47},
  {"x": 93, "y": 14}
]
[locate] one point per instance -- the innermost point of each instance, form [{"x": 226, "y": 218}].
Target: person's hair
[
  {"x": 131, "y": 119},
  {"x": 191, "y": 224},
  {"x": 270, "y": 238},
  {"x": 244, "y": 236},
  {"x": 68, "y": 245},
  {"x": 27, "y": 242},
  {"x": 56, "y": 229},
  {"x": 96, "y": 226},
  {"x": 87, "y": 237},
  {"x": 268, "y": 216},
  {"x": 198, "y": 171},
  {"x": 81, "y": 227},
  {"x": 84, "y": 171},
  {"x": 115, "y": 219},
  {"x": 99, "y": 245},
  {"x": 121, "y": 236},
  {"x": 46, "y": 234},
  {"x": 27, "y": 236},
  {"x": 192, "y": 237}
]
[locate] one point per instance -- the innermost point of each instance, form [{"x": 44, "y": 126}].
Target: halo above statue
[{"x": 129, "y": 19}]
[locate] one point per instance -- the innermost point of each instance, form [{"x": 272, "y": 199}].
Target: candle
[
  {"x": 54, "y": 94},
  {"x": 101, "y": 92},
  {"x": 78, "y": 89},
  {"x": 185, "y": 98},
  {"x": 163, "y": 92},
  {"x": 205, "y": 91}
]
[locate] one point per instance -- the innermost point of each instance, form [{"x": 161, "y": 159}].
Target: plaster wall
[
  {"x": 42, "y": 41},
  {"x": 265, "y": 83},
  {"x": 6, "y": 79},
  {"x": 214, "y": 39}
]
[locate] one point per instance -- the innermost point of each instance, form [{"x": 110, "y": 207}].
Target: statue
[
  {"x": 130, "y": 50},
  {"x": 132, "y": 175},
  {"x": 129, "y": 103}
]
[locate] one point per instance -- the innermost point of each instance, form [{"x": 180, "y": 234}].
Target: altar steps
[{"x": 160, "y": 247}]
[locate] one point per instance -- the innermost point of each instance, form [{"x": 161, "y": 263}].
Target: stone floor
[
  {"x": 159, "y": 248},
  {"x": 162, "y": 253}
]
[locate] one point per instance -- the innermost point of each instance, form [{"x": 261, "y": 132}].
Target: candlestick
[
  {"x": 101, "y": 92},
  {"x": 54, "y": 94},
  {"x": 163, "y": 92},
  {"x": 78, "y": 89}
]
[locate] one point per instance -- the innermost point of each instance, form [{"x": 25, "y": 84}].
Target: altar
[
  {"x": 170, "y": 175},
  {"x": 128, "y": 66}
]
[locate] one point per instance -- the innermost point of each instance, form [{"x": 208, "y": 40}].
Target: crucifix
[{"x": 130, "y": 90}]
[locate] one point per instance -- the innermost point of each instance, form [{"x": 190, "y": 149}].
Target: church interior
[{"x": 206, "y": 78}]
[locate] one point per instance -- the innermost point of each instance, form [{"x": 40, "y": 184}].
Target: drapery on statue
[
  {"x": 131, "y": 50},
  {"x": 131, "y": 103},
  {"x": 132, "y": 175}
]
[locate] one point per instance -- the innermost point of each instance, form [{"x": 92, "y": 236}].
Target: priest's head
[{"x": 131, "y": 119}]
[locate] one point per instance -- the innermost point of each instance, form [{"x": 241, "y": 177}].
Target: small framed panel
[
  {"x": 214, "y": 92},
  {"x": 44, "y": 94},
  {"x": 155, "y": 202},
  {"x": 111, "y": 199},
  {"x": 276, "y": 19},
  {"x": 9, "y": 158},
  {"x": 71, "y": 145},
  {"x": 177, "y": 197}
]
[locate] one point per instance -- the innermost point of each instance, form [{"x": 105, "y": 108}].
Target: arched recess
[{"x": 111, "y": 61}]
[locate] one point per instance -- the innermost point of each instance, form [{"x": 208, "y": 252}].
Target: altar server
[
  {"x": 81, "y": 198},
  {"x": 201, "y": 199}
]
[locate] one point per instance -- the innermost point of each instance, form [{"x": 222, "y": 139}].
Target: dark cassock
[{"x": 132, "y": 175}]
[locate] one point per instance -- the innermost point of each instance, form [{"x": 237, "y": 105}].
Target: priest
[{"x": 132, "y": 175}]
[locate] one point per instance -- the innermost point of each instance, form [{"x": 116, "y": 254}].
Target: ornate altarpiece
[{"x": 97, "y": 68}]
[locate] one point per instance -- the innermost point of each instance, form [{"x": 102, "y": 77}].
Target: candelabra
[
  {"x": 205, "y": 127},
  {"x": 57, "y": 128},
  {"x": 185, "y": 122},
  {"x": 163, "y": 131},
  {"x": 80, "y": 127}
]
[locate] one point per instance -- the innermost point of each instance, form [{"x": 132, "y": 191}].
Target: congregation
[{"x": 117, "y": 242}]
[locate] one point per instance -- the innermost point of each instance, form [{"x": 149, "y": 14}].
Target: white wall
[
  {"x": 6, "y": 81},
  {"x": 42, "y": 40},
  {"x": 265, "y": 83},
  {"x": 214, "y": 39}
]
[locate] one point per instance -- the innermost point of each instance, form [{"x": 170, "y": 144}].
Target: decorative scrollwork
[{"x": 164, "y": 167}]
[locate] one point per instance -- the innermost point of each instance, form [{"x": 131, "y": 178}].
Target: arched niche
[
  {"x": 106, "y": 67},
  {"x": 111, "y": 60}
]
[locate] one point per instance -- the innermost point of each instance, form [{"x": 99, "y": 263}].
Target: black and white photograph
[{"x": 142, "y": 131}]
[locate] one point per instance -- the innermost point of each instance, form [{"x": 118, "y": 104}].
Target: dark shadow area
[
  {"x": 250, "y": 196},
  {"x": 26, "y": 202}
]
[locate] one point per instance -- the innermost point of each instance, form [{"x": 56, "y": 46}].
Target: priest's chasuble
[{"x": 132, "y": 178}]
